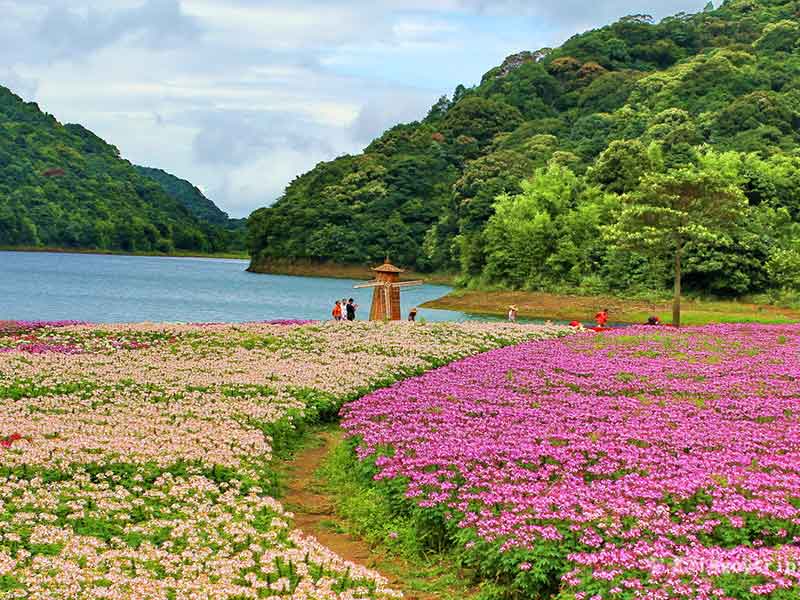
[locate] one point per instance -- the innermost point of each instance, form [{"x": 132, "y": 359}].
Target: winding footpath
[{"x": 315, "y": 515}]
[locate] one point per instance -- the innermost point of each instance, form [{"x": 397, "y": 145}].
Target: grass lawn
[{"x": 536, "y": 305}]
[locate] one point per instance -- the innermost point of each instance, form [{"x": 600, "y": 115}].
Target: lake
[{"x": 114, "y": 289}]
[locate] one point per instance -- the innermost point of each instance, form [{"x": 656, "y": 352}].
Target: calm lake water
[{"x": 112, "y": 289}]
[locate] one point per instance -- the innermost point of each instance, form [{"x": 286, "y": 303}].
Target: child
[
  {"x": 412, "y": 316},
  {"x": 602, "y": 318},
  {"x": 337, "y": 311}
]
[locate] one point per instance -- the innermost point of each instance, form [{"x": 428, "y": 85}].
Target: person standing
[
  {"x": 351, "y": 309},
  {"x": 512, "y": 313},
  {"x": 336, "y": 313},
  {"x": 412, "y": 316},
  {"x": 602, "y": 318}
]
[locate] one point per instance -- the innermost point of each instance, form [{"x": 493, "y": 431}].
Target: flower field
[
  {"x": 136, "y": 461},
  {"x": 648, "y": 463}
]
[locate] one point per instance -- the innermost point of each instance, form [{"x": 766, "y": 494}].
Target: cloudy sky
[{"x": 240, "y": 96}]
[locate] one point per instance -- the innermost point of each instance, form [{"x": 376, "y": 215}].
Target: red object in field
[
  {"x": 575, "y": 324},
  {"x": 600, "y": 329},
  {"x": 6, "y": 442}
]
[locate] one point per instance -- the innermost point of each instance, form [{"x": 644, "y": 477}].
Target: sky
[{"x": 241, "y": 96}]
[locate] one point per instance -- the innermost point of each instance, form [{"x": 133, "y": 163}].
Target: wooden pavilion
[{"x": 386, "y": 294}]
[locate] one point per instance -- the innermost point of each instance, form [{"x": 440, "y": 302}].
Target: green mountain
[
  {"x": 514, "y": 181},
  {"x": 62, "y": 186},
  {"x": 203, "y": 209},
  {"x": 190, "y": 196}
]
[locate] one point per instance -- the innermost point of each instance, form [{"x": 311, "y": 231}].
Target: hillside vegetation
[
  {"x": 196, "y": 202},
  {"x": 191, "y": 197},
  {"x": 519, "y": 181},
  {"x": 62, "y": 186}
]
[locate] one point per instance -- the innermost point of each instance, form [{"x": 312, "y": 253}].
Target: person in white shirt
[{"x": 512, "y": 313}]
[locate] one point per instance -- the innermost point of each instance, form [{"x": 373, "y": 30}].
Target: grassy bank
[
  {"x": 397, "y": 532},
  {"x": 537, "y": 305},
  {"x": 176, "y": 254},
  {"x": 308, "y": 268}
]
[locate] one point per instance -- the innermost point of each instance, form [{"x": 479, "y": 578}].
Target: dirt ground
[{"x": 537, "y": 305}]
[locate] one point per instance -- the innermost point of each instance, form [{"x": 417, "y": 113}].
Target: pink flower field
[
  {"x": 647, "y": 463},
  {"x": 137, "y": 462}
]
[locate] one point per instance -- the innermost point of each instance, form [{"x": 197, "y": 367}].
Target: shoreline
[
  {"x": 544, "y": 306},
  {"x": 34, "y": 250},
  {"x": 339, "y": 271}
]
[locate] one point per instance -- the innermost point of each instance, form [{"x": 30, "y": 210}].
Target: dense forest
[
  {"x": 521, "y": 180},
  {"x": 62, "y": 186},
  {"x": 190, "y": 196},
  {"x": 193, "y": 199}
]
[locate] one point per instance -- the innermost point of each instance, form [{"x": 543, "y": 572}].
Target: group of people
[
  {"x": 600, "y": 318},
  {"x": 344, "y": 310}
]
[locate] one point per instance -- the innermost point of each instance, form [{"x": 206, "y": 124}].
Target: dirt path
[{"x": 314, "y": 514}]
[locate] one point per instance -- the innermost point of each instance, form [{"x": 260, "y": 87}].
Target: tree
[
  {"x": 671, "y": 210},
  {"x": 621, "y": 166},
  {"x": 481, "y": 119},
  {"x": 524, "y": 230}
]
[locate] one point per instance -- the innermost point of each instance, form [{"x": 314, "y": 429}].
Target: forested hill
[
  {"x": 190, "y": 196},
  {"x": 62, "y": 186},
  {"x": 584, "y": 124}
]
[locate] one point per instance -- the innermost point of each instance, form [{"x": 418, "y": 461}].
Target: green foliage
[
  {"x": 692, "y": 204},
  {"x": 62, "y": 186},
  {"x": 229, "y": 233},
  {"x": 699, "y": 205},
  {"x": 621, "y": 108}
]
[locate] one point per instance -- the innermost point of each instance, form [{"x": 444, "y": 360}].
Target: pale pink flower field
[{"x": 135, "y": 460}]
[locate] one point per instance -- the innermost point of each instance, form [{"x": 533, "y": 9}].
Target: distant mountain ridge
[
  {"x": 63, "y": 186},
  {"x": 191, "y": 197}
]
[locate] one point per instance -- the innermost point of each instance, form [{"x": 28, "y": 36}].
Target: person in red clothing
[
  {"x": 336, "y": 313},
  {"x": 602, "y": 318}
]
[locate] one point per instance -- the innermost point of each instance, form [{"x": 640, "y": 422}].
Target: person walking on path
[
  {"x": 351, "y": 309},
  {"x": 337, "y": 311},
  {"x": 512, "y": 313}
]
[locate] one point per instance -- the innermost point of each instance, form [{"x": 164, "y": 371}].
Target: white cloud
[{"x": 240, "y": 96}]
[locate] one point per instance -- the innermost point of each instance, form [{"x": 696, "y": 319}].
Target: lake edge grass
[{"x": 543, "y": 305}]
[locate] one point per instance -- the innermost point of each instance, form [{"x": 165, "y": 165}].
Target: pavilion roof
[{"x": 387, "y": 267}]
